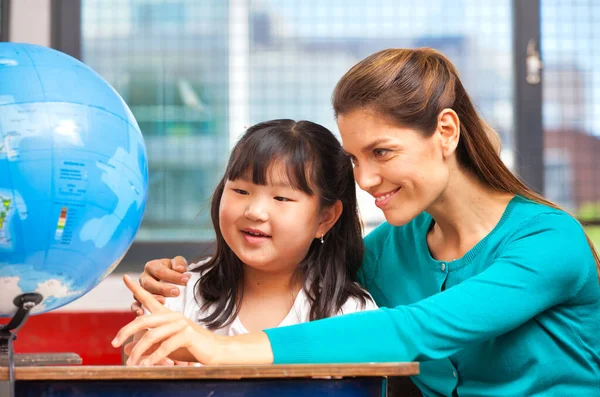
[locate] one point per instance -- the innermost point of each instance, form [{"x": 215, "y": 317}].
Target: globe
[{"x": 73, "y": 177}]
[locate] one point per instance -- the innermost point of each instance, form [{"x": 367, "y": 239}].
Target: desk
[{"x": 209, "y": 381}]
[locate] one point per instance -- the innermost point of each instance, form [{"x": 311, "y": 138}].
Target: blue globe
[{"x": 73, "y": 177}]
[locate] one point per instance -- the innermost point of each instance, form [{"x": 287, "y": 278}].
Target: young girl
[{"x": 289, "y": 242}]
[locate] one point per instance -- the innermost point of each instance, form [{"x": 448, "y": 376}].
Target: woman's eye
[
  {"x": 353, "y": 160},
  {"x": 378, "y": 153},
  {"x": 284, "y": 199},
  {"x": 240, "y": 191}
]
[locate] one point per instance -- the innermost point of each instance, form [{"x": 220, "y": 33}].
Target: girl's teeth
[{"x": 256, "y": 234}]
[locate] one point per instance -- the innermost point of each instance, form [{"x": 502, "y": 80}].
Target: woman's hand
[
  {"x": 155, "y": 272},
  {"x": 167, "y": 362},
  {"x": 170, "y": 334}
]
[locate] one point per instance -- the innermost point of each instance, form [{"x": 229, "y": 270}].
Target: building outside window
[{"x": 571, "y": 107}]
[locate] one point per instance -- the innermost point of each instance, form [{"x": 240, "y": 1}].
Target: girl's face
[
  {"x": 269, "y": 227},
  {"x": 404, "y": 171}
]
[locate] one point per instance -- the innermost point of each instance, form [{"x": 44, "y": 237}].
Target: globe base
[
  {"x": 24, "y": 303},
  {"x": 8, "y": 333}
]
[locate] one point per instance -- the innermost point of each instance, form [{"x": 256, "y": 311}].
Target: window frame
[{"x": 5, "y": 20}]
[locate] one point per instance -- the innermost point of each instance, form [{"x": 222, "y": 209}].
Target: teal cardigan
[{"x": 518, "y": 315}]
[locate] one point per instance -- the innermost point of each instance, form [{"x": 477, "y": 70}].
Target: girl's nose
[{"x": 256, "y": 211}]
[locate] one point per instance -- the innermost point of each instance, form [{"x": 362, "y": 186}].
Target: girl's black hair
[{"x": 315, "y": 164}]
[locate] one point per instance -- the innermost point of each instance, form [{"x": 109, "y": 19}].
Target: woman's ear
[
  {"x": 329, "y": 217},
  {"x": 449, "y": 131}
]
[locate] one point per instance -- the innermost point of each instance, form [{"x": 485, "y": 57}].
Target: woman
[{"x": 490, "y": 286}]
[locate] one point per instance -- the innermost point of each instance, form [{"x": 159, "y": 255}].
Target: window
[
  {"x": 571, "y": 107},
  {"x": 168, "y": 59},
  {"x": 191, "y": 69}
]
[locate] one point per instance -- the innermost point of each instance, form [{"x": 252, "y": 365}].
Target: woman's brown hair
[{"x": 411, "y": 87}]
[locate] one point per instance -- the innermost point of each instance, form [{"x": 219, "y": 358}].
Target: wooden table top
[{"x": 77, "y": 372}]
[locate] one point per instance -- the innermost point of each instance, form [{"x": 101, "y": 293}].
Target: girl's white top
[{"x": 186, "y": 303}]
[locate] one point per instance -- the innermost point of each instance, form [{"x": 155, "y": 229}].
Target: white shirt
[{"x": 300, "y": 312}]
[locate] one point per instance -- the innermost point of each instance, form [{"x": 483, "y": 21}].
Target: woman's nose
[{"x": 366, "y": 177}]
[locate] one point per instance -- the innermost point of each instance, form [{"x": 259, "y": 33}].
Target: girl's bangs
[{"x": 257, "y": 160}]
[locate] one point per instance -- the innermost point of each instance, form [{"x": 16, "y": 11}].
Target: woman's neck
[{"x": 464, "y": 214}]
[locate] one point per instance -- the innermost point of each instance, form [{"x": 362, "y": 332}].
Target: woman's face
[{"x": 403, "y": 170}]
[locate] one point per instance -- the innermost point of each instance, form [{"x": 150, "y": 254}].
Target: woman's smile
[{"x": 381, "y": 199}]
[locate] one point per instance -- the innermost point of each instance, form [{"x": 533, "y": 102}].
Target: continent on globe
[{"x": 6, "y": 207}]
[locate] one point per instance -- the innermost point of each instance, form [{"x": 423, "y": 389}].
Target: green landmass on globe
[{"x": 4, "y": 212}]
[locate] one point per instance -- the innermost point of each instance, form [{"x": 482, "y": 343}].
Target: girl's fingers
[
  {"x": 151, "y": 339},
  {"x": 144, "y": 297}
]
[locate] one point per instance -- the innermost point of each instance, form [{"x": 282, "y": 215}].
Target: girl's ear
[{"x": 329, "y": 217}]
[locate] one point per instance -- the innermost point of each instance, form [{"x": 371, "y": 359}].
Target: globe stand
[{"x": 8, "y": 333}]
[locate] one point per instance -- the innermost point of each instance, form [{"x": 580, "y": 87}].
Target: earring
[{"x": 322, "y": 235}]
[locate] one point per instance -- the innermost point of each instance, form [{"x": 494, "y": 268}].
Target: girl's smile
[{"x": 255, "y": 236}]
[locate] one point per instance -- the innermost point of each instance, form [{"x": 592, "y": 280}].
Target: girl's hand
[{"x": 169, "y": 334}]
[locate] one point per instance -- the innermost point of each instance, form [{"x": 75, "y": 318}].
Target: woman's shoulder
[
  {"x": 527, "y": 216},
  {"x": 547, "y": 241}
]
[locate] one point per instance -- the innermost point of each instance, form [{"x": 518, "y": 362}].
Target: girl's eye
[
  {"x": 283, "y": 199},
  {"x": 378, "y": 153},
  {"x": 240, "y": 191}
]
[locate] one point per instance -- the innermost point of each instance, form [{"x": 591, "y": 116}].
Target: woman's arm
[
  {"x": 546, "y": 262},
  {"x": 521, "y": 283}
]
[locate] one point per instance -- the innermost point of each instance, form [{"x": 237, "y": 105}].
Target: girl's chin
[{"x": 254, "y": 263}]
